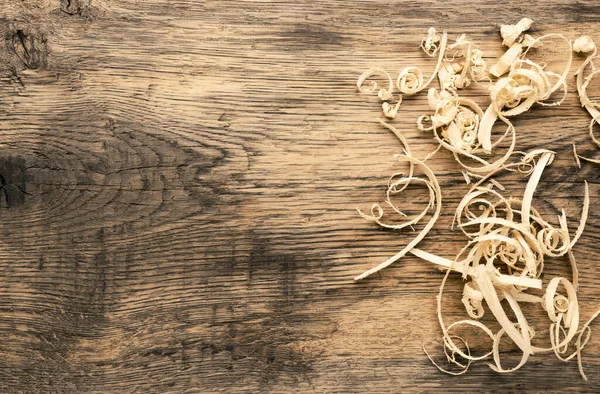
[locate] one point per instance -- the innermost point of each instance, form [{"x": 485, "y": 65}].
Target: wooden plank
[{"x": 179, "y": 185}]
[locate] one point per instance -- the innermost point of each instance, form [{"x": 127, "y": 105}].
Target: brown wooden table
[{"x": 178, "y": 184}]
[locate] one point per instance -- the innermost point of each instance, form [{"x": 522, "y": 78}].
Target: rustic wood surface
[{"x": 178, "y": 184}]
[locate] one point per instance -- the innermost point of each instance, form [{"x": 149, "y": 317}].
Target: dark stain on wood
[
  {"x": 581, "y": 12},
  {"x": 311, "y": 36}
]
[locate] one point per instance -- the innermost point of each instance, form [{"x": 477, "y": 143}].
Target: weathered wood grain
[{"x": 178, "y": 184}]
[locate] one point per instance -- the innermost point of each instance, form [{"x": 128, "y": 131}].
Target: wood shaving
[
  {"x": 504, "y": 63},
  {"x": 410, "y": 80},
  {"x": 462, "y": 64},
  {"x": 506, "y": 239},
  {"x": 435, "y": 202},
  {"x": 510, "y": 33},
  {"x": 527, "y": 83},
  {"x": 585, "y": 44}
]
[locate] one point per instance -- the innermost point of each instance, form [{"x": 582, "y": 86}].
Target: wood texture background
[{"x": 178, "y": 184}]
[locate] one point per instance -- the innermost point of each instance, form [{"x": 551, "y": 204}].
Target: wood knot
[
  {"x": 76, "y": 7},
  {"x": 30, "y": 48},
  {"x": 12, "y": 181}
]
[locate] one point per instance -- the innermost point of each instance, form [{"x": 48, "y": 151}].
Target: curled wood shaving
[
  {"x": 578, "y": 158},
  {"x": 410, "y": 79},
  {"x": 456, "y": 124},
  {"x": 435, "y": 201},
  {"x": 464, "y": 268},
  {"x": 463, "y": 63},
  {"x": 384, "y": 94},
  {"x": 586, "y": 44},
  {"x": 527, "y": 83}
]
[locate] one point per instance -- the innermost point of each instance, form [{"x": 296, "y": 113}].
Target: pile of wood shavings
[{"x": 507, "y": 239}]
